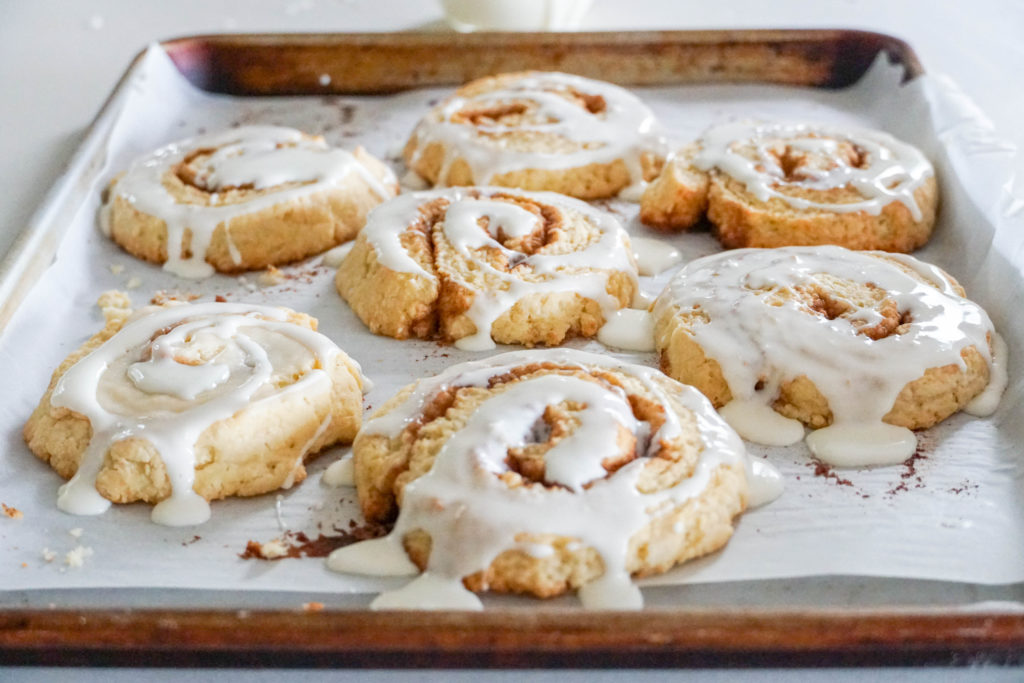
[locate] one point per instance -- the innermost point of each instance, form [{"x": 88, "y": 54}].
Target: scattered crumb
[
  {"x": 325, "y": 80},
  {"x": 133, "y": 283},
  {"x": 24, "y": 565},
  {"x": 298, "y": 544},
  {"x": 271, "y": 550},
  {"x": 76, "y": 532},
  {"x": 909, "y": 477},
  {"x": 116, "y": 268},
  {"x": 76, "y": 557},
  {"x": 244, "y": 281},
  {"x": 49, "y": 555},
  {"x": 191, "y": 540},
  {"x": 825, "y": 471},
  {"x": 219, "y": 299},
  {"x": 313, "y": 606},
  {"x": 163, "y": 297},
  {"x": 270, "y": 277},
  {"x": 11, "y": 512}
]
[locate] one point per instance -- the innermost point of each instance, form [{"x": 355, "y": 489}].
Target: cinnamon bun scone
[
  {"x": 479, "y": 265},
  {"x": 540, "y": 472},
  {"x": 242, "y": 199},
  {"x": 862, "y": 347},
  {"x": 538, "y": 131},
  {"x": 181, "y": 404},
  {"x": 774, "y": 185}
]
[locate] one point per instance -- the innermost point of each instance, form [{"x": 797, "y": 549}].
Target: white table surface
[{"x": 60, "y": 59}]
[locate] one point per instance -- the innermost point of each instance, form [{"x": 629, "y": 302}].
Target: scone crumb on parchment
[
  {"x": 48, "y": 555},
  {"x": 270, "y": 277},
  {"x": 164, "y": 297},
  {"x": 133, "y": 283},
  {"x": 76, "y": 557},
  {"x": 11, "y": 512},
  {"x": 76, "y": 532},
  {"x": 116, "y": 268},
  {"x": 312, "y": 606}
]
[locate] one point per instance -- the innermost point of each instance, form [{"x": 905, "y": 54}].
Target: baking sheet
[{"x": 955, "y": 514}]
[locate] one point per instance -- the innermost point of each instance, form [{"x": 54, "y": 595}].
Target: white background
[{"x": 59, "y": 60}]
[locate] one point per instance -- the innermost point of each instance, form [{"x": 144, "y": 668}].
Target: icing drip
[
  {"x": 340, "y": 473},
  {"x": 585, "y": 271},
  {"x": 468, "y": 511},
  {"x": 333, "y": 257},
  {"x": 654, "y": 256},
  {"x": 630, "y": 329},
  {"x": 622, "y": 129},
  {"x": 762, "y": 341},
  {"x": 167, "y": 376},
  {"x": 881, "y": 168},
  {"x": 282, "y": 162},
  {"x": 985, "y": 403}
]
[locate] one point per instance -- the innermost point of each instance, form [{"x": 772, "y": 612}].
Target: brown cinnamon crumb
[
  {"x": 823, "y": 470},
  {"x": 220, "y": 299},
  {"x": 11, "y": 512},
  {"x": 313, "y": 606},
  {"x": 298, "y": 544}
]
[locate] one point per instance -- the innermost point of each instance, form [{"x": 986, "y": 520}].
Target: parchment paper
[{"x": 953, "y": 514}]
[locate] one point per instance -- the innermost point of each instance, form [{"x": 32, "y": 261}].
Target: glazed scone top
[
  {"x": 474, "y": 505},
  {"x": 169, "y": 374},
  {"x": 540, "y": 120},
  {"x": 859, "y": 325},
  {"x": 831, "y": 168},
  {"x": 202, "y": 182},
  {"x": 561, "y": 245}
]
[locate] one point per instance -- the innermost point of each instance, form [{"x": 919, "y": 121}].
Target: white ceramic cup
[{"x": 515, "y": 15}]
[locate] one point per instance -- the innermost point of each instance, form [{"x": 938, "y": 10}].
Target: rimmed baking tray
[{"x": 140, "y": 627}]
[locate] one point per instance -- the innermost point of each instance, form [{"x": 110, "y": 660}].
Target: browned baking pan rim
[
  {"x": 377, "y": 63},
  {"x": 657, "y": 638}
]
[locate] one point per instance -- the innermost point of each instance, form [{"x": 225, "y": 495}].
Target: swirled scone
[{"x": 182, "y": 404}]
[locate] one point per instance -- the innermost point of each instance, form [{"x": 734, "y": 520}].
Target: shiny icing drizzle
[
  {"x": 771, "y": 158},
  {"x": 472, "y": 516},
  {"x": 292, "y": 165},
  {"x": 623, "y": 128},
  {"x": 167, "y": 376},
  {"x": 585, "y": 271},
  {"x": 761, "y": 345}
]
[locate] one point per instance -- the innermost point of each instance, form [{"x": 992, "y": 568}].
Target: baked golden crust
[
  {"x": 387, "y": 464},
  {"x": 528, "y": 142},
  {"x": 442, "y": 293},
  {"x": 260, "y": 448}
]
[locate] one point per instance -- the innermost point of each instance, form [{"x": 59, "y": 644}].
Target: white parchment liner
[{"x": 959, "y": 516}]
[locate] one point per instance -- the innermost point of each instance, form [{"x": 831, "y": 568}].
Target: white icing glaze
[
  {"x": 264, "y": 157},
  {"x": 586, "y": 271},
  {"x": 625, "y": 129},
  {"x": 340, "y": 473},
  {"x": 985, "y": 403},
  {"x": 630, "y": 329},
  {"x": 654, "y": 256},
  {"x": 633, "y": 193},
  {"x": 332, "y": 258},
  {"x": 749, "y": 152},
  {"x": 125, "y": 396},
  {"x": 764, "y": 481},
  {"x": 472, "y": 516},
  {"x": 760, "y": 346},
  {"x": 755, "y": 421}
]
